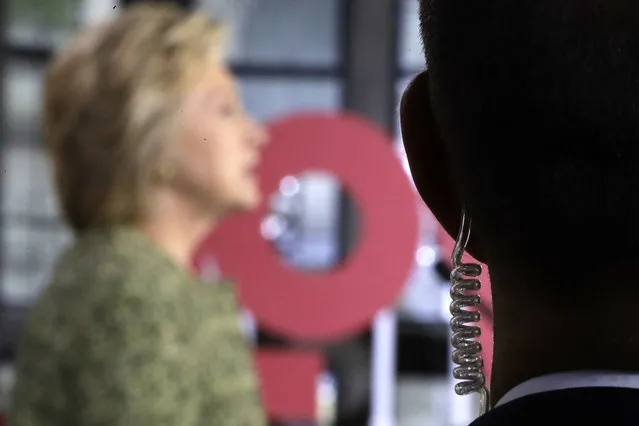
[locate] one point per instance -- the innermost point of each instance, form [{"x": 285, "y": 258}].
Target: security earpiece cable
[{"x": 466, "y": 348}]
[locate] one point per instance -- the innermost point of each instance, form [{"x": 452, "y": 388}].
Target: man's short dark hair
[{"x": 538, "y": 101}]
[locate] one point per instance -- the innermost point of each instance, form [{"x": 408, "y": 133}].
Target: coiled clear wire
[{"x": 466, "y": 348}]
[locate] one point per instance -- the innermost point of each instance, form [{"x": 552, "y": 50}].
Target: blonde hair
[{"x": 110, "y": 100}]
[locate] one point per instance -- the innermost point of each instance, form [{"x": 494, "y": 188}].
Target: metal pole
[
  {"x": 3, "y": 147},
  {"x": 369, "y": 39},
  {"x": 369, "y": 42}
]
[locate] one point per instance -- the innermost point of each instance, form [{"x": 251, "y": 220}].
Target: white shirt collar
[{"x": 576, "y": 379}]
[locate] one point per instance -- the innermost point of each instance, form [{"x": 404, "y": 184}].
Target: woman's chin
[{"x": 249, "y": 201}]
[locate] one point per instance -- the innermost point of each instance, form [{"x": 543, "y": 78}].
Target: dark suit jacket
[{"x": 579, "y": 407}]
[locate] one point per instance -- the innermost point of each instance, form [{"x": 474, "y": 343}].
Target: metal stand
[{"x": 384, "y": 369}]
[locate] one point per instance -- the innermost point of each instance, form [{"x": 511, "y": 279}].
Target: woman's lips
[{"x": 251, "y": 170}]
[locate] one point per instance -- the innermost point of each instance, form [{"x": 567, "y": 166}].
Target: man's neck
[{"x": 522, "y": 353}]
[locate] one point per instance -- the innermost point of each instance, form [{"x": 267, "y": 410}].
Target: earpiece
[{"x": 466, "y": 349}]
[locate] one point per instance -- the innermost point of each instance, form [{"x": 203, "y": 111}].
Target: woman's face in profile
[{"x": 219, "y": 146}]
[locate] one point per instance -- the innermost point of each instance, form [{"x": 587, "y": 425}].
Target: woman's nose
[{"x": 258, "y": 134}]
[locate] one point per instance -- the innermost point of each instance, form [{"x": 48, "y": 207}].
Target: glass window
[
  {"x": 268, "y": 98},
  {"x": 32, "y": 233},
  {"x": 27, "y": 184},
  {"x": 22, "y": 101},
  {"x": 93, "y": 11},
  {"x": 29, "y": 251},
  {"x": 303, "y": 222},
  {"x": 38, "y": 22},
  {"x": 411, "y": 54},
  {"x": 301, "y": 32}
]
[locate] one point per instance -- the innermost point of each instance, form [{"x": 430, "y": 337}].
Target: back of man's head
[{"x": 538, "y": 102}]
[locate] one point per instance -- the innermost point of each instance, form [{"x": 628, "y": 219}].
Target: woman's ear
[{"x": 428, "y": 159}]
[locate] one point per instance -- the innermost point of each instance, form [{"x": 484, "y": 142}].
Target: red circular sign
[{"x": 336, "y": 303}]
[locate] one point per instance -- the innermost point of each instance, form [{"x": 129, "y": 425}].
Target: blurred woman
[{"x": 151, "y": 148}]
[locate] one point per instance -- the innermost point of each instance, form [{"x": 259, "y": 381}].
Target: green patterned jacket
[{"x": 124, "y": 337}]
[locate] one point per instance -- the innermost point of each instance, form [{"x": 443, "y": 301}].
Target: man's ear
[{"x": 428, "y": 160}]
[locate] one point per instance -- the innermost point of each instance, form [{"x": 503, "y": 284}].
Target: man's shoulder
[{"x": 594, "y": 406}]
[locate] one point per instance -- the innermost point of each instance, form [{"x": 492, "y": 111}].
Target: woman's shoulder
[
  {"x": 99, "y": 283},
  {"x": 118, "y": 262},
  {"x": 98, "y": 294},
  {"x": 118, "y": 275}
]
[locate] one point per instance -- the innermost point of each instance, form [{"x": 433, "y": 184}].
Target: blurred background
[{"x": 290, "y": 56}]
